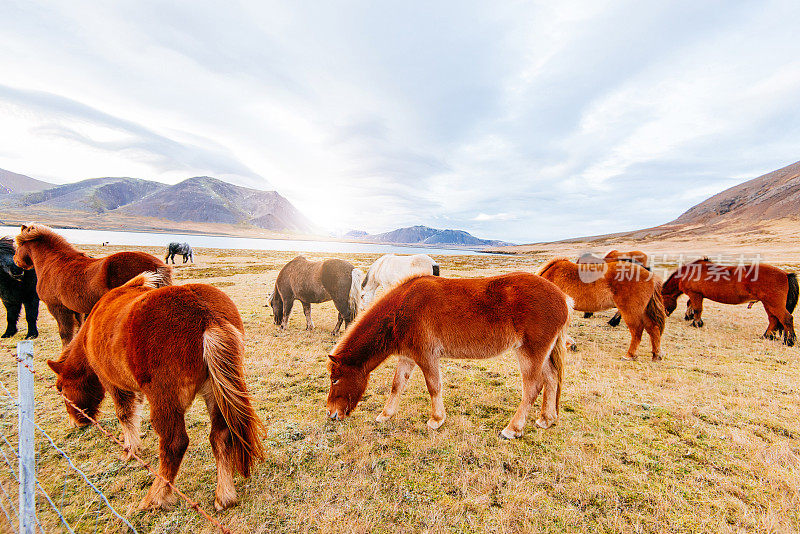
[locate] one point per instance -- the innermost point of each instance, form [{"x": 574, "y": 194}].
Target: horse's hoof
[
  {"x": 510, "y": 434},
  {"x": 32, "y": 335},
  {"x": 629, "y": 357},
  {"x": 586, "y": 315},
  {"x": 657, "y": 357},
  {"x": 544, "y": 423},
  {"x": 382, "y": 418},
  {"x": 220, "y": 506},
  {"x": 697, "y": 324},
  {"x": 434, "y": 424},
  {"x": 8, "y": 334}
]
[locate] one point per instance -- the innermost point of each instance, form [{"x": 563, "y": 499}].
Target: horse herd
[{"x": 126, "y": 310}]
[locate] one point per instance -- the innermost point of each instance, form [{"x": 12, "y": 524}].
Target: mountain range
[
  {"x": 425, "y": 235},
  {"x": 200, "y": 199},
  {"x": 11, "y": 182}
]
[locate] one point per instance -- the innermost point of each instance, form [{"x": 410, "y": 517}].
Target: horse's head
[
  {"x": 670, "y": 292},
  {"x": 78, "y": 384},
  {"x": 276, "y": 303},
  {"x": 348, "y": 384},
  {"x": 22, "y": 256},
  {"x": 7, "y": 264}
]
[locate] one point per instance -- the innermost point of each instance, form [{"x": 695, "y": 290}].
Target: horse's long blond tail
[
  {"x": 560, "y": 351},
  {"x": 354, "y": 299},
  {"x": 222, "y": 352}
]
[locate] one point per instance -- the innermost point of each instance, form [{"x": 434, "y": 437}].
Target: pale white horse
[{"x": 389, "y": 270}]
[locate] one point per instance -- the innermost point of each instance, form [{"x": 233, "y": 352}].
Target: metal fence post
[{"x": 27, "y": 457}]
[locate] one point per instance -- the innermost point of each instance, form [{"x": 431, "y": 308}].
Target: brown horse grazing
[
  {"x": 313, "y": 282},
  {"x": 121, "y": 349},
  {"x": 69, "y": 281},
  {"x": 427, "y": 318},
  {"x": 728, "y": 284},
  {"x": 633, "y": 290},
  {"x": 633, "y": 256}
]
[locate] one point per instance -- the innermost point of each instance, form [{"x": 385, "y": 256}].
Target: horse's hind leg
[
  {"x": 220, "y": 437},
  {"x": 167, "y": 418},
  {"x": 783, "y": 319},
  {"x": 769, "y": 333},
  {"x": 635, "y": 327},
  {"x": 530, "y": 367},
  {"x": 12, "y": 316},
  {"x": 307, "y": 312},
  {"x": 405, "y": 366},
  {"x": 689, "y": 311},
  {"x": 429, "y": 365},
  {"x": 338, "y": 324},
  {"x": 128, "y": 406}
]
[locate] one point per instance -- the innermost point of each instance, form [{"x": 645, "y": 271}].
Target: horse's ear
[
  {"x": 335, "y": 359},
  {"x": 23, "y": 228},
  {"x": 56, "y": 366}
]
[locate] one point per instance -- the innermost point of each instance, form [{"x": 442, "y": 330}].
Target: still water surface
[{"x": 96, "y": 237}]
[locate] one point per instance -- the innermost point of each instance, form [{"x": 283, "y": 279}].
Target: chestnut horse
[
  {"x": 427, "y": 318},
  {"x": 633, "y": 256},
  {"x": 313, "y": 282},
  {"x": 69, "y": 281},
  {"x": 633, "y": 290},
  {"x": 729, "y": 284},
  {"x": 122, "y": 350}
]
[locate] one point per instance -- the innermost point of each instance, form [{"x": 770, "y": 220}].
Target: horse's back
[{"x": 120, "y": 267}]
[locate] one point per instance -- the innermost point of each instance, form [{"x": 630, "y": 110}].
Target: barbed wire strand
[
  {"x": 11, "y": 502},
  {"x": 191, "y": 502}
]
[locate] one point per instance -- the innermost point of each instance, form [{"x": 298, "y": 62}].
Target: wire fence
[{"x": 70, "y": 500}]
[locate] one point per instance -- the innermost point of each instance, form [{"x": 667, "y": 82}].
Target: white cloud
[{"x": 518, "y": 121}]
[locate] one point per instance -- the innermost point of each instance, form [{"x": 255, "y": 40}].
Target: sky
[{"x": 520, "y": 121}]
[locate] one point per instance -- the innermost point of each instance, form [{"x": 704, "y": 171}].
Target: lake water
[{"x": 97, "y": 237}]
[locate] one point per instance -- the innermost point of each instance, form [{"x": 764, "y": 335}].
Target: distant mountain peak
[
  {"x": 425, "y": 235},
  {"x": 12, "y": 182}
]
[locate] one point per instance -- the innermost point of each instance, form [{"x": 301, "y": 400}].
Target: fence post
[{"x": 27, "y": 457}]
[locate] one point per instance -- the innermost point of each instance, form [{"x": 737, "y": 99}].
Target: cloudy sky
[{"x": 514, "y": 120}]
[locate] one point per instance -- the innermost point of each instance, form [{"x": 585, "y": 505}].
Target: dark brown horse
[
  {"x": 729, "y": 284},
  {"x": 427, "y": 318},
  {"x": 311, "y": 282},
  {"x": 633, "y": 290},
  {"x": 167, "y": 345},
  {"x": 69, "y": 281}
]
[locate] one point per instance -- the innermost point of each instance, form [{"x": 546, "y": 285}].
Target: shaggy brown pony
[
  {"x": 729, "y": 284},
  {"x": 427, "y": 318},
  {"x": 122, "y": 350},
  {"x": 69, "y": 281},
  {"x": 633, "y": 256},
  {"x": 633, "y": 290},
  {"x": 313, "y": 282}
]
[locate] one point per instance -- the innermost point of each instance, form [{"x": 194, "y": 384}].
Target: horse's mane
[
  {"x": 550, "y": 263},
  {"x": 41, "y": 232},
  {"x": 7, "y": 245}
]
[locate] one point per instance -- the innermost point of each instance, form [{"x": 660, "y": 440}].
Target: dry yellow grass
[{"x": 708, "y": 440}]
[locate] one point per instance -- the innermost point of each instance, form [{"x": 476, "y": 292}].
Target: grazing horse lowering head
[
  {"x": 7, "y": 264},
  {"x": 276, "y": 303},
  {"x": 348, "y": 384},
  {"x": 80, "y": 385}
]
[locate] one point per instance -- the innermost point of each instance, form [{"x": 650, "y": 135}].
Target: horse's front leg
[
  {"x": 12, "y": 316},
  {"x": 31, "y": 315},
  {"x": 696, "y": 302},
  {"x": 307, "y": 312},
  {"x": 429, "y": 364},
  {"x": 128, "y": 406},
  {"x": 287, "y": 309},
  {"x": 405, "y": 366}
]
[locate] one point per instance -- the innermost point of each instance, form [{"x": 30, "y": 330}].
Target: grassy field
[{"x": 707, "y": 440}]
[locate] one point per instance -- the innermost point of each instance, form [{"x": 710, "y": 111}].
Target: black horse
[
  {"x": 181, "y": 249},
  {"x": 17, "y": 289}
]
